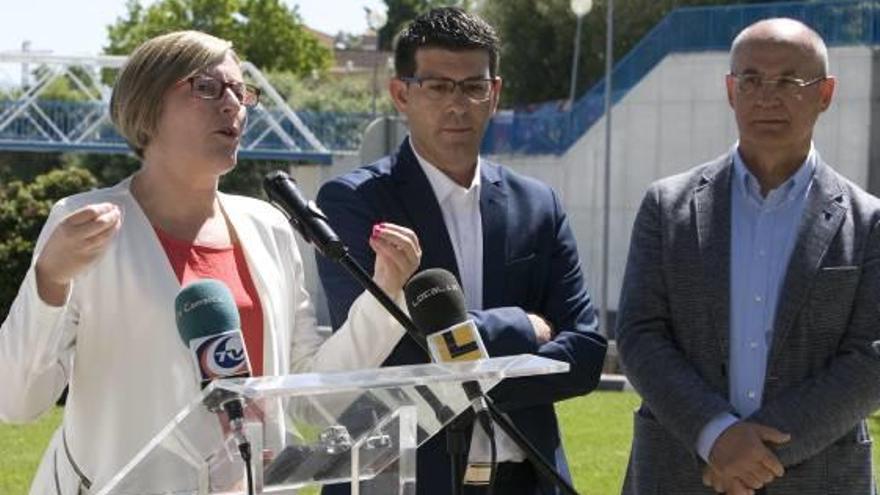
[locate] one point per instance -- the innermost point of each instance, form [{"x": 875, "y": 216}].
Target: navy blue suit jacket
[{"x": 530, "y": 264}]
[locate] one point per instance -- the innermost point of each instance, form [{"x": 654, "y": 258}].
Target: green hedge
[{"x": 24, "y": 207}]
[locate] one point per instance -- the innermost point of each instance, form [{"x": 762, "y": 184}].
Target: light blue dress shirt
[{"x": 763, "y": 231}]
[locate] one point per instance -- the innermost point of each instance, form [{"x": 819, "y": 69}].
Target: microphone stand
[
  {"x": 543, "y": 468},
  {"x": 357, "y": 271},
  {"x": 456, "y": 441},
  {"x": 311, "y": 223}
]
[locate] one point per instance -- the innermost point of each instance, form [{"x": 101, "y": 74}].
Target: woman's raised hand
[{"x": 75, "y": 244}]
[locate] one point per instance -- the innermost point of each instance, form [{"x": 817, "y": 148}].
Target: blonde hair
[{"x": 154, "y": 67}]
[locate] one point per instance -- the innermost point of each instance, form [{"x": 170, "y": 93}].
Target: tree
[
  {"x": 26, "y": 165},
  {"x": 68, "y": 87},
  {"x": 273, "y": 38},
  {"x": 401, "y": 12},
  {"x": 24, "y": 208},
  {"x": 107, "y": 169},
  {"x": 25, "y": 204},
  {"x": 263, "y": 32},
  {"x": 537, "y": 42},
  {"x": 351, "y": 93},
  {"x": 536, "y": 48}
]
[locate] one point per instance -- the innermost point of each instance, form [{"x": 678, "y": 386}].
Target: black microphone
[
  {"x": 312, "y": 224},
  {"x": 436, "y": 305},
  {"x": 210, "y": 327},
  {"x": 305, "y": 216}
]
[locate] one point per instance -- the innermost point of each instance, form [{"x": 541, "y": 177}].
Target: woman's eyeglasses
[{"x": 210, "y": 88}]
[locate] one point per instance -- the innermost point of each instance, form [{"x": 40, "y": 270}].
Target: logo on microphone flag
[
  {"x": 220, "y": 356},
  {"x": 460, "y": 342}
]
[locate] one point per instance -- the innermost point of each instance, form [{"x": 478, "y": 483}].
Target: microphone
[
  {"x": 210, "y": 327},
  {"x": 311, "y": 223},
  {"x": 305, "y": 216},
  {"x": 436, "y": 305}
]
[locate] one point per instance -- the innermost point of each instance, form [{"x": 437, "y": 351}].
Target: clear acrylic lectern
[{"x": 314, "y": 429}]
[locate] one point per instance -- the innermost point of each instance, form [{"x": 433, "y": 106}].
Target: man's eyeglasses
[
  {"x": 437, "y": 88},
  {"x": 750, "y": 84},
  {"x": 210, "y": 88}
]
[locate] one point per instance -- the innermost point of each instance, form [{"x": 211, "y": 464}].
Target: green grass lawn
[
  {"x": 21, "y": 448},
  {"x": 597, "y": 431}
]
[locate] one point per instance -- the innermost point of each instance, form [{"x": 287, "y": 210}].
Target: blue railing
[
  {"x": 552, "y": 130},
  {"x": 32, "y": 131},
  {"x": 338, "y": 131}
]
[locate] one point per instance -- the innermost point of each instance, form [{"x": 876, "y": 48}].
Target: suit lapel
[
  {"x": 823, "y": 214},
  {"x": 423, "y": 211},
  {"x": 493, "y": 212},
  {"x": 712, "y": 210}
]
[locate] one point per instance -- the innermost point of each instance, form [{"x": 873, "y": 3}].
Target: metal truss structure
[{"x": 62, "y": 104}]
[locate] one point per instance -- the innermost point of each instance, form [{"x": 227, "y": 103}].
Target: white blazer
[{"x": 116, "y": 344}]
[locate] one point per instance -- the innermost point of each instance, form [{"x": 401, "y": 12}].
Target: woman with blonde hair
[{"x": 96, "y": 310}]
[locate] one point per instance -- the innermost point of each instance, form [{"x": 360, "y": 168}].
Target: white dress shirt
[{"x": 461, "y": 214}]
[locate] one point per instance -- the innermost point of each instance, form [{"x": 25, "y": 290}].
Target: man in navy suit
[{"x": 504, "y": 236}]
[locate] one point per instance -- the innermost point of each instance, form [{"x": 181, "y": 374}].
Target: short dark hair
[{"x": 449, "y": 28}]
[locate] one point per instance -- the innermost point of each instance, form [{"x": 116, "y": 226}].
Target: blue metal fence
[
  {"x": 552, "y": 130},
  {"x": 31, "y": 132}
]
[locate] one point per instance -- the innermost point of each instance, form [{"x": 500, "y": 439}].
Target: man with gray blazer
[{"x": 751, "y": 299}]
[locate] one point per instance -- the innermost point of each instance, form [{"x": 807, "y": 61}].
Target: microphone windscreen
[
  {"x": 210, "y": 326},
  {"x": 204, "y": 308},
  {"x": 281, "y": 190},
  {"x": 435, "y": 300},
  {"x": 304, "y": 215},
  {"x": 436, "y": 304}
]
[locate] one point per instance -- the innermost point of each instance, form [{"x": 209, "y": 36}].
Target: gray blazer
[{"x": 823, "y": 377}]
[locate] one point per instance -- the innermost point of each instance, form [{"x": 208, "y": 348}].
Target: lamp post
[
  {"x": 376, "y": 18},
  {"x": 580, "y": 8},
  {"x": 25, "y": 68},
  {"x": 606, "y": 213}
]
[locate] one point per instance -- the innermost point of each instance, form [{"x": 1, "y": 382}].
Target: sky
[{"x": 79, "y": 27}]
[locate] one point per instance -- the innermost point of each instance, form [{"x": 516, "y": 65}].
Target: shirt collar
[
  {"x": 441, "y": 184},
  {"x": 793, "y": 187}
]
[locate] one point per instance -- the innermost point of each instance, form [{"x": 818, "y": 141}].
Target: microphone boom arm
[{"x": 366, "y": 281}]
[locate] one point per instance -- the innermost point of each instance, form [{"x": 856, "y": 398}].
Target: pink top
[{"x": 192, "y": 262}]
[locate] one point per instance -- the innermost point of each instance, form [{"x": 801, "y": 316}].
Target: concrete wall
[{"x": 676, "y": 118}]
